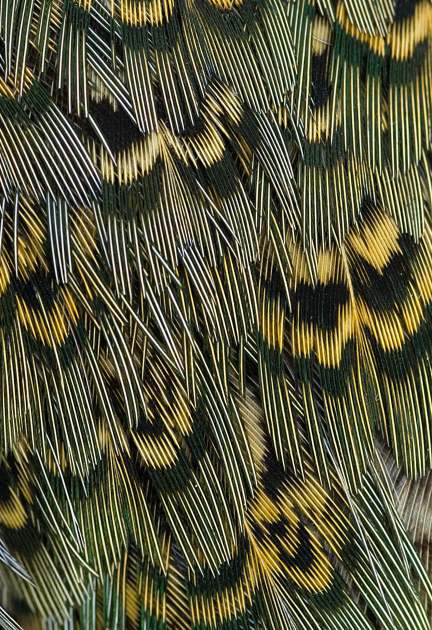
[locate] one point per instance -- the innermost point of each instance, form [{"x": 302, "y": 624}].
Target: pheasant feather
[{"x": 216, "y": 314}]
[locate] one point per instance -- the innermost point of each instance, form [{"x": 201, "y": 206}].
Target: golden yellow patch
[
  {"x": 98, "y": 90},
  {"x": 302, "y": 339},
  {"x": 49, "y": 326},
  {"x": 412, "y": 313},
  {"x": 404, "y": 36},
  {"x": 422, "y": 270},
  {"x": 274, "y": 549},
  {"x": 262, "y": 509},
  {"x": 4, "y": 275},
  {"x": 222, "y": 605},
  {"x": 386, "y": 327},
  {"x": 321, "y": 35},
  {"x": 322, "y": 120},
  {"x": 227, "y": 5},
  {"x": 329, "y": 267},
  {"x": 83, "y": 231},
  {"x": 9, "y": 87},
  {"x": 206, "y": 147},
  {"x": 319, "y": 576},
  {"x": 329, "y": 345},
  {"x": 271, "y": 322},
  {"x": 308, "y": 337},
  {"x": 301, "y": 272},
  {"x": 374, "y": 42},
  {"x": 12, "y": 513},
  {"x": 157, "y": 452},
  {"x": 132, "y": 601},
  {"x": 30, "y": 256},
  {"x": 134, "y": 162},
  {"x": 376, "y": 241},
  {"x": 161, "y": 450},
  {"x": 142, "y": 12},
  {"x": 314, "y": 503}
]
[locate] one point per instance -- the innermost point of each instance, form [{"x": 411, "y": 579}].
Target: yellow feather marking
[
  {"x": 269, "y": 555},
  {"x": 374, "y": 42},
  {"x": 51, "y": 463},
  {"x": 10, "y": 88},
  {"x": 404, "y": 36},
  {"x": 24, "y": 316},
  {"x": 386, "y": 327},
  {"x": 376, "y": 242},
  {"x": 226, "y": 5},
  {"x": 106, "y": 166},
  {"x": 412, "y": 313},
  {"x": 227, "y": 104},
  {"x": 12, "y": 513},
  {"x": 321, "y": 35},
  {"x": 272, "y": 322},
  {"x": 98, "y": 91},
  {"x": 132, "y": 601},
  {"x": 83, "y": 231},
  {"x": 307, "y": 337},
  {"x": 162, "y": 451},
  {"x": 328, "y": 266},
  {"x": 6, "y": 89},
  {"x": 208, "y": 146},
  {"x": 157, "y": 452},
  {"x": 283, "y": 116},
  {"x": 134, "y": 162},
  {"x": 314, "y": 502},
  {"x": 232, "y": 601},
  {"x": 252, "y": 415},
  {"x": 30, "y": 254},
  {"x": 49, "y": 327},
  {"x": 4, "y": 276},
  {"x": 299, "y": 264},
  {"x": 70, "y": 304},
  {"x": 142, "y": 12},
  {"x": 297, "y": 498},
  {"x": 320, "y": 121},
  {"x": 318, "y": 576},
  {"x": 303, "y": 342},
  {"x": 329, "y": 345},
  {"x": 262, "y": 509}
]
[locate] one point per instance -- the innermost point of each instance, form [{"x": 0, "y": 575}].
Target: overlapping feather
[{"x": 215, "y": 288}]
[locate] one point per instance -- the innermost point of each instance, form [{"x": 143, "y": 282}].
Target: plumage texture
[{"x": 216, "y": 314}]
